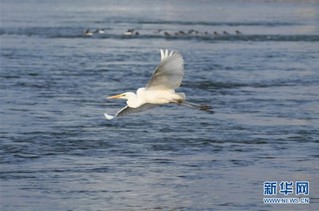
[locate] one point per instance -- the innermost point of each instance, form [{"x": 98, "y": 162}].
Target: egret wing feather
[
  {"x": 128, "y": 110},
  {"x": 169, "y": 73}
]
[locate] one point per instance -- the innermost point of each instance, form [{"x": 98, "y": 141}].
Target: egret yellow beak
[{"x": 115, "y": 96}]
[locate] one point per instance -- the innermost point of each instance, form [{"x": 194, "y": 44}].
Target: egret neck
[{"x": 133, "y": 101}]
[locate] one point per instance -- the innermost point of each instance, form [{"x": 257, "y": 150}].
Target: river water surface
[{"x": 58, "y": 152}]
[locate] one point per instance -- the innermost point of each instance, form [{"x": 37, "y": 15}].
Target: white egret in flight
[{"x": 160, "y": 89}]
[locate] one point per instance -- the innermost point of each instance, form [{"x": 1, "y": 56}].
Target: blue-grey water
[{"x": 58, "y": 152}]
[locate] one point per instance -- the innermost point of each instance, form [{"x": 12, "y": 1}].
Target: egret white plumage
[{"x": 160, "y": 89}]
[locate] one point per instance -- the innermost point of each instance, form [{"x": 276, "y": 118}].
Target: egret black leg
[{"x": 206, "y": 108}]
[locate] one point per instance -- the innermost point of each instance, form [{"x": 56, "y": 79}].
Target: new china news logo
[{"x": 286, "y": 192}]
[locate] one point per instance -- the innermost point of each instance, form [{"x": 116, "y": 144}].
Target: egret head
[{"x": 126, "y": 95}]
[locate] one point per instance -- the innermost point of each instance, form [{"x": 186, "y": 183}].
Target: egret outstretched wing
[
  {"x": 127, "y": 110},
  {"x": 169, "y": 73}
]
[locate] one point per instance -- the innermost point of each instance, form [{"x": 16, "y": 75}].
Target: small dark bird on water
[
  {"x": 238, "y": 32},
  {"x": 87, "y": 32}
]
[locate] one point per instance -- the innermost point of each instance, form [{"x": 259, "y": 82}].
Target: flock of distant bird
[
  {"x": 194, "y": 32},
  {"x": 88, "y": 32},
  {"x": 191, "y": 32}
]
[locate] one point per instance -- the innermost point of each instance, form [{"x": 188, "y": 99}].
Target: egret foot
[{"x": 205, "y": 107}]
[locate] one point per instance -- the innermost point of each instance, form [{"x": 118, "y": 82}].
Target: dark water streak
[{"x": 54, "y": 32}]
